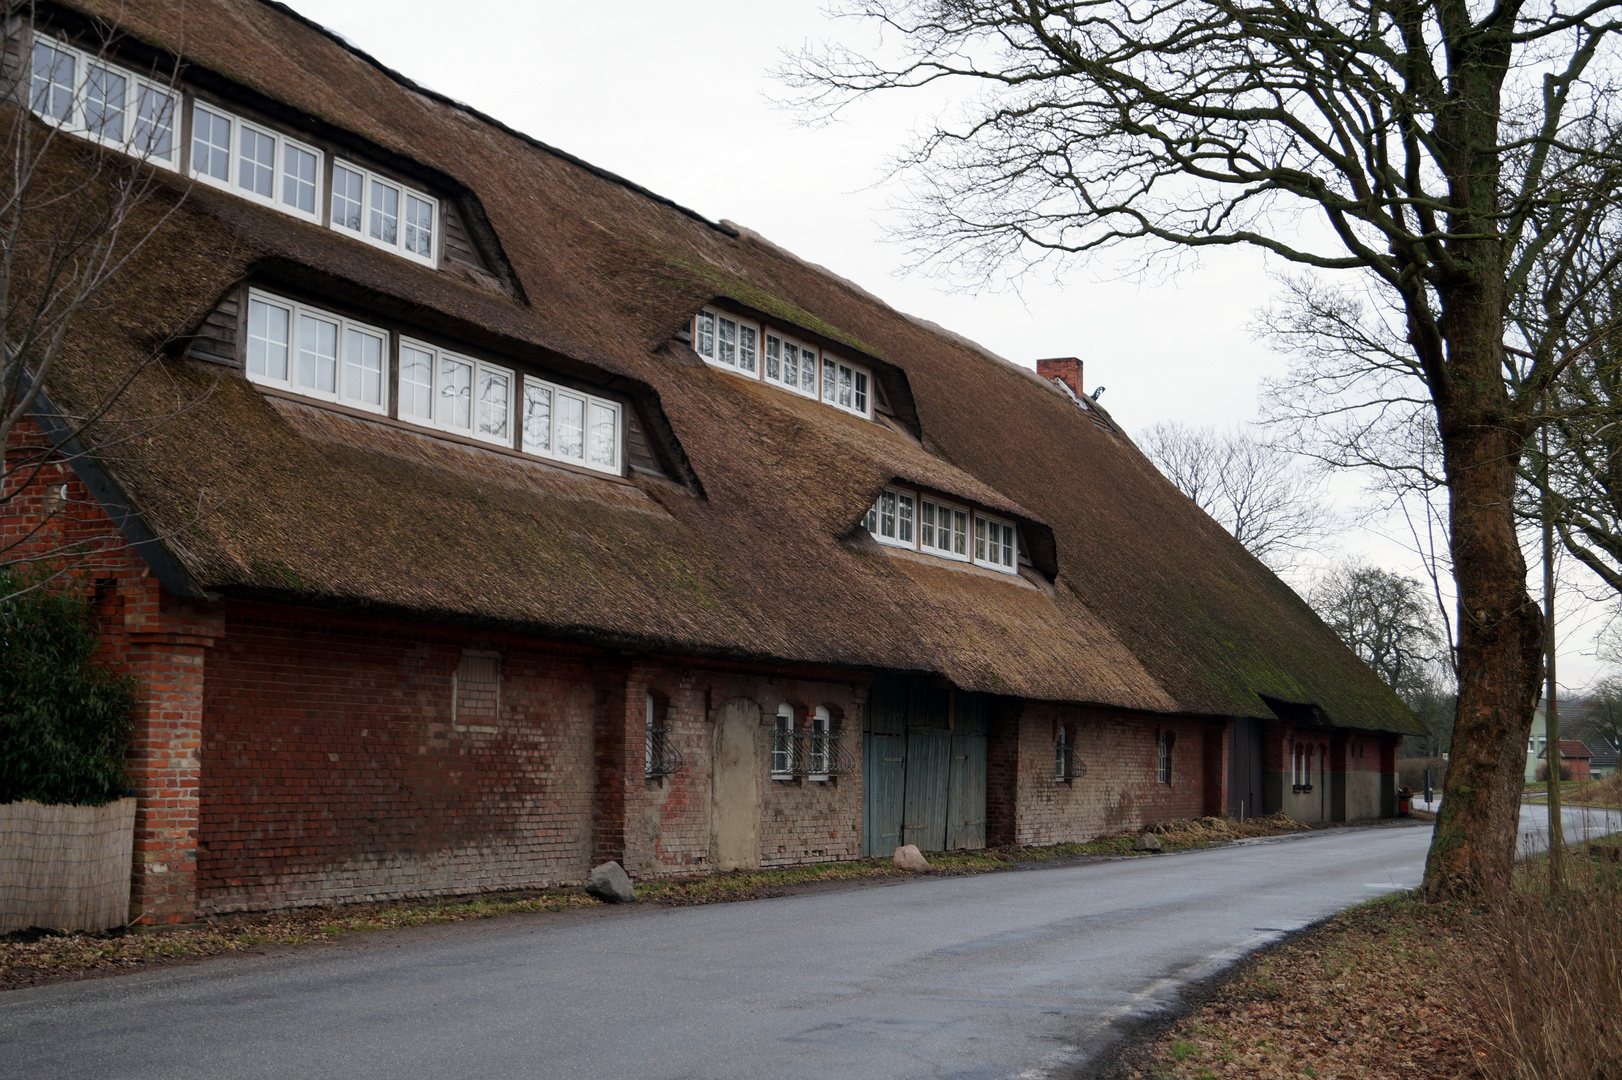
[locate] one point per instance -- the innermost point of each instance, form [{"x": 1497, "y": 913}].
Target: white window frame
[
  {"x": 938, "y": 507},
  {"x": 74, "y": 123},
  {"x": 821, "y": 728},
  {"x": 893, "y": 518},
  {"x": 291, "y": 384},
  {"x": 802, "y": 350},
  {"x": 370, "y": 180},
  {"x": 437, "y": 418},
  {"x": 782, "y": 762},
  {"x": 714, "y": 341},
  {"x": 988, "y": 560},
  {"x": 833, "y": 392},
  {"x": 233, "y": 170},
  {"x": 589, "y": 402}
]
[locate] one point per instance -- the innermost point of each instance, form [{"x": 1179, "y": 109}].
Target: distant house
[
  {"x": 523, "y": 520},
  {"x": 1602, "y": 756},
  {"x": 1577, "y": 721},
  {"x": 1573, "y": 756}
]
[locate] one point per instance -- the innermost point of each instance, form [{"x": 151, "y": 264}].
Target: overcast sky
[{"x": 677, "y": 97}]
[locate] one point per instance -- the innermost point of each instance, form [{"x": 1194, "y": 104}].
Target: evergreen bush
[{"x": 65, "y": 718}]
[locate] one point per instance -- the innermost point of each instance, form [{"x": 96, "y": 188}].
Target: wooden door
[
  {"x": 966, "y": 802},
  {"x": 884, "y": 768},
  {"x": 1245, "y": 769},
  {"x": 929, "y": 772}
]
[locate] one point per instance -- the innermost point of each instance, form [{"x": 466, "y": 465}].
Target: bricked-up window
[
  {"x": 477, "y": 689},
  {"x": 1163, "y": 756}
]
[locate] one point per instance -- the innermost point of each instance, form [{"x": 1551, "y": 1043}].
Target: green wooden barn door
[
  {"x": 884, "y": 767},
  {"x": 966, "y": 804},
  {"x": 929, "y": 765}
]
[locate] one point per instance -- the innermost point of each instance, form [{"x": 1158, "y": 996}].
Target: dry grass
[
  {"x": 1211, "y": 830},
  {"x": 1606, "y": 792},
  {"x": 1548, "y": 976}
]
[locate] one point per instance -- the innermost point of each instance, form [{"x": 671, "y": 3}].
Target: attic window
[
  {"x": 759, "y": 352},
  {"x": 84, "y": 94},
  {"x": 911, "y": 520},
  {"x": 458, "y": 393},
  {"x": 384, "y": 213},
  {"x": 315, "y": 353},
  {"x": 255, "y": 162}
]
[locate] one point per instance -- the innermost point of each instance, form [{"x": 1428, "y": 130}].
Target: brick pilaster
[
  {"x": 619, "y": 746},
  {"x": 167, "y": 655}
]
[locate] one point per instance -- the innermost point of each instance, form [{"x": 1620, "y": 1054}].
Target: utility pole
[{"x": 1551, "y": 707}]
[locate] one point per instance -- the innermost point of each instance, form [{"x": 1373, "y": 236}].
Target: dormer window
[
  {"x": 919, "y": 522},
  {"x": 383, "y": 212},
  {"x": 760, "y": 352},
  {"x": 103, "y": 102},
  {"x": 317, "y": 354},
  {"x": 254, "y": 162}
]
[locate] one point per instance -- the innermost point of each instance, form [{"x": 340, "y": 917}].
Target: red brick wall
[
  {"x": 333, "y": 770},
  {"x": 1120, "y": 791}
]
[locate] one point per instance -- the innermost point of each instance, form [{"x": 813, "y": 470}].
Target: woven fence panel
[{"x": 65, "y": 867}]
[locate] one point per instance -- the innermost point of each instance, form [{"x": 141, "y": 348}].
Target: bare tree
[
  {"x": 1253, "y": 488},
  {"x": 1386, "y": 619},
  {"x": 1420, "y": 145},
  {"x": 79, "y": 199}
]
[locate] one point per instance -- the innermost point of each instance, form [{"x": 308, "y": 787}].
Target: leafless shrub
[
  {"x": 1543, "y": 772},
  {"x": 1548, "y": 976},
  {"x": 1411, "y": 772}
]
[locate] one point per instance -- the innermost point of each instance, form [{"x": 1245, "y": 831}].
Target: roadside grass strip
[{"x": 33, "y": 957}]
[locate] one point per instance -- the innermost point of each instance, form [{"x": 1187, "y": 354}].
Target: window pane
[
  {"x": 385, "y": 219},
  {"x": 317, "y": 354},
  {"x": 604, "y": 436},
  {"x": 861, "y": 392},
  {"x": 746, "y": 349},
  {"x": 416, "y": 383},
  {"x": 537, "y": 417},
  {"x": 54, "y": 76},
  {"x": 257, "y": 163},
  {"x": 704, "y": 335},
  {"x": 774, "y": 350},
  {"x": 419, "y": 233},
  {"x": 493, "y": 395},
  {"x": 791, "y": 364},
  {"x": 871, "y": 521},
  {"x": 298, "y": 178},
  {"x": 926, "y": 524},
  {"x": 267, "y": 340},
  {"x": 154, "y": 123},
  {"x": 1008, "y": 545},
  {"x": 347, "y": 185},
  {"x": 887, "y": 514},
  {"x": 844, "y": 386},
  {"x": 571, "y": 427},
  {"x": 827, "y": 380},
  {"x": 455, "y": 394},
  {"x": 979, "y": 538},
  {"x": 727, "y": 342},
  {"x": 808, "y": 372},
  {"x": 960, "y": 532},
  {"x": 211, "y": 144},
  {"x": 904, "y": 518},
  {"x": 105, "y": 95},
  {"x": 363, "y": 367}
]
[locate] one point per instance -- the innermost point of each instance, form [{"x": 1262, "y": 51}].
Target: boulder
[
  {"x": 910, "y": 859},
  {"x": 1148, "y": 842},
  {"x": 609, "y": 882}
]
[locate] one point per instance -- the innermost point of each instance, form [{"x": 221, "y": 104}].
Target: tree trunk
[{"x": 1500, "y": 628}]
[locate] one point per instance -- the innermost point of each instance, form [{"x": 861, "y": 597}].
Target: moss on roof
[{"x": 1154, "y": 607}]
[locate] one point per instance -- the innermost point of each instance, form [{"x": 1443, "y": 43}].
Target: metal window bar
[
  {"x": 803, "y": 752},
  {"x": 1066, "y": 766},
  {"x": 661, "y": 757}
]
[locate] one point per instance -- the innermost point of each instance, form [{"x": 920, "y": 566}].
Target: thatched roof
[{"x": 760, "y": 553}]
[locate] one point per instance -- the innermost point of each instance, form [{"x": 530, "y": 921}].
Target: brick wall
[
  {"x": 333, "y": 768},
  {"x": 1120, "y": 791}
]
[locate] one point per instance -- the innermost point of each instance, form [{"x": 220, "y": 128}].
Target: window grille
[
  {"x": 1163, "y": 757},
  {"x": 660, "y": 756},
  {"x": 1066, "y": 766},
  {"x": 817, "y": 752}
]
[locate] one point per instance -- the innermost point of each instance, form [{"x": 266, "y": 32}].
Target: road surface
[{"x": 1019, "y": 974}]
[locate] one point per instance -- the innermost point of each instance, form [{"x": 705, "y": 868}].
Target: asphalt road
[{"x": 1019, "y": 974}]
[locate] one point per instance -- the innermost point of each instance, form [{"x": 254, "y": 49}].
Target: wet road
[{"x": 1001, "y": 975}]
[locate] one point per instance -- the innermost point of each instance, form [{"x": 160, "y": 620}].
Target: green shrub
[{"x": 65, "y": 719}]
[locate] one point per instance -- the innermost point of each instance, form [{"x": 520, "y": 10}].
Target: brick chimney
[{"x": 1063, "y": 369}]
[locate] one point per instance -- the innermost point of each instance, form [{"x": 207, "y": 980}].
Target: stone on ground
[
  {"x": 610, "y": 882},
  {"x": 1148, "y": 842},
  {"x": 910, "y": 859}
]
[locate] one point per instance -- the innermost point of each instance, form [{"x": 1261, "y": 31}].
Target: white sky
[{"x": 675, "y": 96}]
